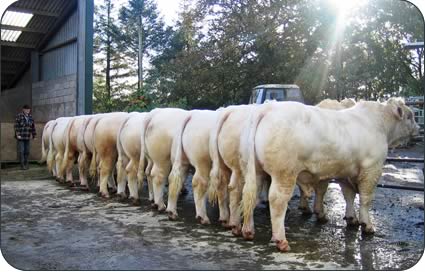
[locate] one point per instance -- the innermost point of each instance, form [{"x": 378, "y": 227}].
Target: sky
[{"x": 168, "y": 10}]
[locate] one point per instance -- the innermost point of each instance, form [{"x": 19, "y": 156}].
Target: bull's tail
[
  {"x": 176, "y": 176},
  {"x": 215, "y": 174},
  {"x": 120, "y": 162},
  {"x": 82, "y": 158},
  {"x": 43, "y": 148},
  {"x": 141, "y": 166},
  {"x": 93, "y": 163},
  {"x": 65, "y": 160},
  {"x": 51, "y": 153},
  {"x": 249, "y": 194}
]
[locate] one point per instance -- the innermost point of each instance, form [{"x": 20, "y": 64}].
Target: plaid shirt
[{"x": 24, "y": 126}]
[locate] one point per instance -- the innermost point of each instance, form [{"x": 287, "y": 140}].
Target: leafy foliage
[{"x": 218, "y": 50}]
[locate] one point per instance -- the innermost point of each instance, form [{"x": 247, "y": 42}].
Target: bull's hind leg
[
  {"x": 131, "y": 170},
  {"x": 148, "y": 173},
  {"x": 176, "y": 181},
  {"x": 58, "y": 162},
  {"x": 304, "y": 197},
  {"x": 69, "y": 165},
  {"x": 223, "y": 197},
  {"x": 320, "y": 191},
  {"x": 367, "y": 181},
  {"x": 281, "y": 190},
  {"x": 248, "y": 230},
  {"x": 82, "y": 169},
  {"x": 159, "y": 175},
  {"x": 200, "y": 187},
  {"x": 106, "y": 169},
  {"x": 235, "y": 195},
  {"x": 121, "y": 176},
  {"x": 349, "y": 196}
]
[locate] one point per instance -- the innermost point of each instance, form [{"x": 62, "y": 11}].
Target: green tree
[
  {"x": 142, "y": 33},
  {"x": 111, "y": 65}
]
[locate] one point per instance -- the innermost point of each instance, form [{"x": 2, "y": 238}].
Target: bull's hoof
[
  {"x": 85, "y": 188},
  {"x": 122, "y": 197},
  {"x": 136, "y": 202},
  {"x": 184, "y": 191},
  {"x": 351, "y": 221},
  {"x": 162, "y": 208},
  {"x": 367, "y": 229},
  {"x": 282, "y": 245},
  {"x": 236, "y": 231},
  {"x": 322, "y": 219},
  {"x": 305, "y": 210},
  {"x": 154, "y": 206},
  {"x": 74, "y": 184},
  {"x": 248, "y": 235},
  {"x": 103, "y": 195},
  {"x": 172, "y": 216},
  {"x": 224, "y": 224},
  {"x": 151, "y": 201},
  {"x": 205, "y": 221}
]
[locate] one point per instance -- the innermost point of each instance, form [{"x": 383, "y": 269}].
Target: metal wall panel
[
  {"x": 68, "y": 31},
  {"x": 59, "y": 62},
  {"x": 62, "y": 60}
]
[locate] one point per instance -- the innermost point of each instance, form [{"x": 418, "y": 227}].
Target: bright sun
[{"x": 344, "y": 6}]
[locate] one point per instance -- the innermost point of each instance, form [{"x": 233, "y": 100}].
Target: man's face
[{"x": 27, "y": 111}]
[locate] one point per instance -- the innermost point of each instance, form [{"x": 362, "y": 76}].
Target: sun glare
[{"x": 344, "y": 6}]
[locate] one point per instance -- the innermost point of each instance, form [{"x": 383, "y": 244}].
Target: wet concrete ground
[{"x": 47, "y": 226}]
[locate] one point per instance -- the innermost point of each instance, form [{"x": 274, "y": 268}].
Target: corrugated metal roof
[
  {"x": 15, "y": 18},
  {"x": 46, "y": 15}
]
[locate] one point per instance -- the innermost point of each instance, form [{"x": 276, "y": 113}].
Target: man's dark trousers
[{"x": 24, "y": 151}]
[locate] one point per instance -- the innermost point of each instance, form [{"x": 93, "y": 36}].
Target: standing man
[{"x": 24, "y": 129}]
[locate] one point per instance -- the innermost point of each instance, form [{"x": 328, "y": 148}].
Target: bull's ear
[{"x": 398, "y": 112}]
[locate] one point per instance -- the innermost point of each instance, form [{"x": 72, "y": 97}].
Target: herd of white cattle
[{"x": 237, "y": 152}]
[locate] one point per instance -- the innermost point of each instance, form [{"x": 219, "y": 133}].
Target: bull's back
[
  {"x": 321, "y": 141},
  {"x": 89, "y": 132},
  {"x": 59, "y": 132},
  {"x": 106, "y": 132},
  {"x": 196, "y": 136},
  {"x": 131, "y": 136},
  {"x": 160, "y": 132},
  {"x": 229, "y": 136}
]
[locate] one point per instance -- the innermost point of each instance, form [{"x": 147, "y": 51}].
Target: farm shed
[{"x": 46, "y": 62}]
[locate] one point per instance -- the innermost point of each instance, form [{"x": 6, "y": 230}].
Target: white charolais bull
[
  {"x": 293, "y": 139},
  {"x": 57, "y": 147},
  {"x": 47, "y": 132},
  {"x": 320, "y": 189},
  {"x": 191, "y": 147},
  {"x": 105, "y": 152},
  {"x": 71, "y": 144},
  {"x": 128, "y": 147},
  {"x": 336, "y": 105},
  {"x": 85, "y": 153},
  {"x": 159, "y": 137},
  {"x": 85, "y": 144},
  {"x": 226, "y": 177}
]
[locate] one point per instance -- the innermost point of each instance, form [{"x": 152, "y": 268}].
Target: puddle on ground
[{"x": 47, "y": 226}]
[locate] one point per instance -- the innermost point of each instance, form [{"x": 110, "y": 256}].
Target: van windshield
[
  {"x": 254, "y": 97},
  {"x": 275, "y": 94}
]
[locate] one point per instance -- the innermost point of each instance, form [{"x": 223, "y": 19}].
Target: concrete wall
[
  {"x": 54, "y": 98},
  {"x": 11, "y": 103},
  {"x": 9, "y": 147},
  {"x": 12, "y": 100}
]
